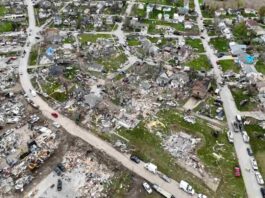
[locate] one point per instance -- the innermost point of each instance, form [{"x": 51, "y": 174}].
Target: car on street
[
  {"x": 61, "y": 167},
  {"x": 57, "y": 171},
  {"x": 33, "y": 93},
  {"x": 135, "y": 159},
  {"x": 59, "y": 185},
  {"x": 165, "y": 178},
  {"x": 230, "y": 136},
  {"x": 250, "y": 152},
  {"x": 236, "y": 126},
  {"x": 237, "y": 171},
  {"x": 186, "y": 187},
  {"x": 245, "y": 137},
  {"x": 259, "y": 178},
  {"x": 262, "y": 190},
  {"x": 238, "y": 118},
  {"x": 202, "y": 196},
  {"x": 147, "y": 187},
  {"x": 54, "y": 114},
  {"x": 254, "y": 164}
]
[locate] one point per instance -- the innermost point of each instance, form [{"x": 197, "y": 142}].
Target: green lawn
[
  {"x": 242, "y": 34},
  {"x": 196, "y": 44},
  {"x": 202, "y": 62},
  {"x": 33, "y": 56},
  {"x": 3, "y": 11},
  {"x": 69, "y": 39},
  {"x": 138, "y": 12},
  {"x": 112, "y": 63},
  {"x": 133, "y": 41},
  {"x": 147, "y": 146},
  {"x": 260, "y": 66},
  {"x": 257, "y": 142},
  {"x": 220, "y": 44},
  {"x": 6, "y": 26},
  {"x": 229, "y": 65},
  {"x": 92, "y": 37},
  {"x": 243, "y": 94},
  {"x": 153, "y": 23},
  {"x": 164, "y": 2}
]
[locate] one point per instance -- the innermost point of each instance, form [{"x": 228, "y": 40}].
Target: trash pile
[
  {"x": 12, "y": 112},
  {"x": 96, "y": 174},
  {"x": 182, "y": 146},
  {"x": 19, "y": 157}
]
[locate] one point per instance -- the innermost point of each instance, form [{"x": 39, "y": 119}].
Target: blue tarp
[
  {"x": 249, "y": 59},
  {"x": 50, "y": 51}
]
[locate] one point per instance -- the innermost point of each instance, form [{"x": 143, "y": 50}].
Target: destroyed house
[{"x": 200, "y": 88}]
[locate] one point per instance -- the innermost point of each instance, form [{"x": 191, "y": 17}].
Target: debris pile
[
  {"x": 96, "y": 174},
  {"x": 182, "y": 146}
]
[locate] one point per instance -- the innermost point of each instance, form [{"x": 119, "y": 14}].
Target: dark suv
[
  {"x": 59, "y": 185},
  {"x": 262, "y": 190},
  {"x": 135, "y": 159}
]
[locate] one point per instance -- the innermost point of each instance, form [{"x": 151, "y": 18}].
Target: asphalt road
[
  {"x": 252, "y": 187},
  {"x": 82, "y": 133}
]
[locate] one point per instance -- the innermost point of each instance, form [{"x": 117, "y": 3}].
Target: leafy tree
[{"x": 262, "y": 12}]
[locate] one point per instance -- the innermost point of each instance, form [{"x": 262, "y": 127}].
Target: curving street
[
  {"x": 75, "y": 130},
  {"x": 252, "y": 187}
]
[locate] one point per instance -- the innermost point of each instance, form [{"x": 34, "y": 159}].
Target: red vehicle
[
  {"x": 237, "y": 172},
  {"x": 54, "y": 114}
]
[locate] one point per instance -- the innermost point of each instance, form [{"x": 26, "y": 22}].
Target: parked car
[
  {"x": 54, "y": 114},
  {"x": 147, "y": 188},
  {"x": 262, "y": 190},
  {"x": 151, "y": 167},
  {"x": 250, "y": 152},
  {"x": 254, "y": 164},
  {"x": 33, "y": 93},
  {"x": 59, "y": 185},
  {"x": 186, "y": 187},
  {"x": 57, "y": 171},
  {"x": 238, "y": 118},
  {"x": 135, "y": 159},
  {"x": 237, "y": 171},
  {"x": 230, "y": 136},
  {"x": 61, "y": 167},
  {"x": 165, "y": 178},
  {"x": 236, "y": 126},
  {"x": 245, "y": 136},
  {"x": 259, "y": 178},
  {"x": 202, "y": 196}
]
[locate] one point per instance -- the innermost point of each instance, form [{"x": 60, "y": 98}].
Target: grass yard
[
  {"x": 6, "y": 26},
  {"x": 200, "y": 63},
  {"x": 164, "y": 2},
  {"x": 51, "y": 87},
  {"x": 153, "y": 23},
  {"x": 260, "y": 66},
  {"x": 257, "y": 142},
  {"x": 3, "y": 10},
  {"x": 220, "y": 44},
  {"x": 196, "y": 44},
  {"x": 69, "y": 39},
  {"x": 33, "y": 56},
  {"x": 133, "y": 41},
  {"x": 138, "y": 12},
  {"x": 147, "y": 146},
  {"x": 112, "y": 63},
  {"x": 243, "y": 94},
  {"x": 229, "y": 65},
  {"x": 84, "y": 38}
]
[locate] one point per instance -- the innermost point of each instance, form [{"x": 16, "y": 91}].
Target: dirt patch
[{"x": 256, "y": 4}]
